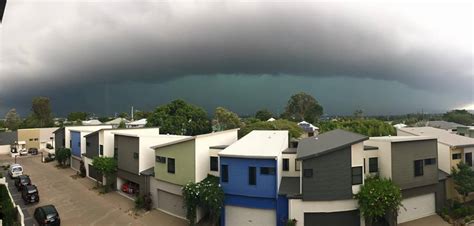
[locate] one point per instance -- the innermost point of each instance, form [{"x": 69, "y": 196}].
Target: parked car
[
  {"x": 47, "y": 215},
  {"x": 23, "y": 152},
  {"x": 51, "y": 157},
  {"x": 30, "y": 194},
  {"x": 21, "y": 181},
  {"x": 130, "y": 188},
  {"x": 33, "y": 151},
  {"x": 15, "y": 170}
]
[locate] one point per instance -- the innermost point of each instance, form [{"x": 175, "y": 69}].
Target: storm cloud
[{"x": 61, "y": 46}]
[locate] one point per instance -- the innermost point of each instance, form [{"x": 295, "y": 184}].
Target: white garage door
[
  {"x": 236, "y": 216},
  {"x": 417, "y": 207},
  {"x": 171, "y": 203}
]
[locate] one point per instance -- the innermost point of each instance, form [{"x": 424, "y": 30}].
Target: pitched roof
[
  {"x": 140, "y": 122},
  {"x": 116, "y": 121},
  {"x": 443, "y": 136},
  {"x": 443, "y": 124},
  {"x": 327, "y": 142},
  {"x": 258, "y": 144}
]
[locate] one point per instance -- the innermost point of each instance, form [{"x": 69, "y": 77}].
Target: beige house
[{"x": 36, "y": 137}]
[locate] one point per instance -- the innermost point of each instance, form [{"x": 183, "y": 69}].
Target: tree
[
  {"x": 459, "y": 116},
  {"x": 369, "y": 127},
  {"x": 107, "y": 166},
  {"x": 226, "y": 119},
  {"x": 302, "y": 106},
  {"x": 77, "y": 116},
  {"x": 63, "y": 155},
  {"x": 179, "y": 117},
  {"x": 12, "y": 120},
  {"x": 141, "y": 114},
  {"x": 122, "y": 124},
  {"x": 281, "y": 124},
  {"x": 263, "y": 114},
  {"x": 358, "y": 114},
  {"x": 207, "y": 194},
  {"x": 41, "y": 113},
  {"x": 377, "y": 198},
  {"x": 123, "y": 115},
  {"x": 463, "y": 178}
]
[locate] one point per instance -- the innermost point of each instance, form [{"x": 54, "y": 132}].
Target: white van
[{"x": 15, "y": 170}]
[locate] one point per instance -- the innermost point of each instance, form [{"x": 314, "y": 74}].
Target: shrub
[
  {"x": 291, "y": 222},
  {"x": 7, "y": 211},
  {"x": 1, "y": 175}
]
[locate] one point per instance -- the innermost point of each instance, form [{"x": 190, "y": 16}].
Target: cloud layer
[{"x": 57, "y": 45}]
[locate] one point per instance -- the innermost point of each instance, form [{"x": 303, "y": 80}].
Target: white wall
[
  {"x": 5, "y": 149},
  {"x": 146, "y": 156},
  {"x": 357, "y": 158},
  {"x": 297, "y": 208},
  {"x": 292, "y": 170},
  {"x": 203, "y": 142},
  {"x": 370, "y": 154},
  {"x": 444, "y": 158},
  {"x": 384, "y": 155}
]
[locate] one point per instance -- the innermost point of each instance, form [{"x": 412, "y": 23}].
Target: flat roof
[
  {"x": 258, "y": 144},
  {"x": 104, "y": 129},
  {"x": 194, "y": 137},
  {"x": 401, "y": 138},
  {"x": 443, "y": 136}
]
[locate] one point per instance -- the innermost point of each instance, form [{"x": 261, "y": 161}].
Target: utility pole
[{"x": 132, "y": 114}]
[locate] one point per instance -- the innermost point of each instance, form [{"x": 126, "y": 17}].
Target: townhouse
[
  {"x": 101, "y": 144},
  {"x": 330, "y": 173},
  {"x": 182, "y": 161},
  {"x": 251, "y": 172},
  {"x": 452, "y": 149},
  {"x": 72, "y": 137},
  {"x": 412, "y": 164},
  {"x": 36, "y": 137},
  {"x": 136, "y": 159},
  {"x": 7, "y": 142}
]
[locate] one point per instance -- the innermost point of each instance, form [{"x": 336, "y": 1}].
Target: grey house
[
  {"x": 412, "y": 164},
  {"x": 331, "y": 170}
]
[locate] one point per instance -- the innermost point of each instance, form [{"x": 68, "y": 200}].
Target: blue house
[{"x": 250, "y": 176}]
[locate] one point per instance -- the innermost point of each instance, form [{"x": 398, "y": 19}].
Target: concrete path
[
  {"x": 77, "y": 201},
  {"x": 433, "y": 220}
]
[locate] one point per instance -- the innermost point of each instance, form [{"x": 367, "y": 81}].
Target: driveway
[
  {"x": 433, "y": 220},
  {"x": 77, "y": 201}
]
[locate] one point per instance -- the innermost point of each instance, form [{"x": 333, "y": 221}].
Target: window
[
  {"x": 31, "y": 139},
  {"x": 456, "y": 156},
  {"x": 160, "y": 159},
  {"x": 308, "y": 173},
  {"x": 294, "y": 144},
  {"x": 431, "y": 161},
  {"x": 468, "y": 159},
  {"x": 214, "y": 163},
  {"x": 364, "y": 165},
  {"x": 356, "y": 175},
  {"x": 36, "y": 139},
  {"x": 267, "y": 170},
  {"x": 135, "y": 155},
  {"x": 373, "y": 165},
  {"x": 297, "y": 165},
  {"x": 418, "y": 168},
  {"x": 252, "y": 175},
  {"x": 101, "y": 149},
  {"x": 225, "y": 173},
  {"x": 171, "y": 167},
  {"x": 286, "y": 164}
]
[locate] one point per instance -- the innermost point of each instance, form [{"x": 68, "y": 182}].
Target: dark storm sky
[{"x": 384, "y": 58}]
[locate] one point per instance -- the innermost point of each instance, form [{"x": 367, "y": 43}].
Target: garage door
[
  {"x": 93, "y": 173},
  {"x": 349, "y": 218},
  {"x": 235, "y": 215},
  {"x": 417, "y": 207},
  {"x": 171, "y": 203}
]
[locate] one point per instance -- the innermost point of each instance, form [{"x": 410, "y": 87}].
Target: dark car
[
  {"x": 47, "y": 215},
  {"x": 51, "y": 157},
  {"x": 30, "y": 194},
  {"x": 21, "y": 181},
  {"x": 33, "y": 151}
]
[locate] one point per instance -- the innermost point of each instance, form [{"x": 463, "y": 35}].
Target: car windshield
[
  {"x": 51, "y": 216},
  {"x": 32, "y": 191},
  {"x": 17, "y": 169},
  {"x": 25, "y": 180}
]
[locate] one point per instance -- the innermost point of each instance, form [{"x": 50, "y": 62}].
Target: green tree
[
  {"x": 294, "y": 130},
  {"x": 123, "y": 115},
  {"x": 302, "y": 106},
  {"x": 263, "y": 114},
  {"x": 122, "y": 124},
  {"x": 459, "y": 116},
  {"x": 41, "y": 115},
  {"x": 179, "y": 117},
  {"x": 12, "y": 120},
  {"x": 63, "y": 155},
  {"x": 226, "y": 119},
  {"x": 378, "y": 197},
  {"x": 141, "y": 114},
  {"x": 77, "y": 116},
  {"x": 463, "y": 178},
  {"x": 104, "y": 119},
  {"x": 107, "y": 166},
  {"x": 369, "y": 127}
]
